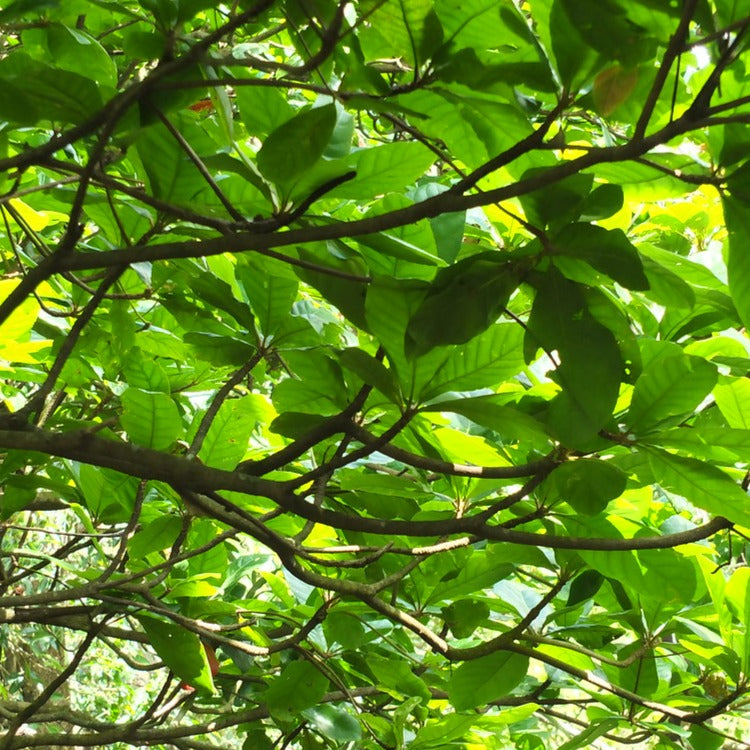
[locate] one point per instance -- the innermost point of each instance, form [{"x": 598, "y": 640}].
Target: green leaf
[
  {"x": 463, "y": 300},
  {"x": 59, "y": 96},
  {"x": 737, "y": 600},
  {"x": 465, "y": 616},
  {"x": 732, "y": 396},
  {"x": 270, "y": 295},
  {"x": 150, "y": 419},
  {"x": 557, "y": 204},
  {"x": 609, "y": 251},
  {"x": 371, "y": 371},
  {"x": 385, "y": 169},
  {"x": 345, "y": 629},
  {"x": 483, "y": 680},
  {"x": 668, "y": 576},
  {"x": 20, "y": 8},
  {"x": 396, "y": 676},
  {"x": 591, "y": 733},
  {"x": 587, "y": 485},
  {"x": 334, "y": 723},
  {"x": 491, "y": 411},
  {"x": 590, "y": 367},
  {"x": 228, "y": 437},
  {"x": 604, "y": 201},
  {"x": 299, "y": 686},
  {"x": 626, "y": 41},
  {"x": 221, "y": 351},
  {"x": 721, "y": 444},
  {"x": 583, "y": 587},
  {"x": 297, "y": 144},
  {"x": 105, "y": 491},
  {"x": 172, "y": 176},
  {"x": 181, "y": 650},
  {"x": 155, "y": 536},
  {"x": 145, "y": 373},
  {"x": 738, "y": 261},
  {"x": 488, "y": 360},
  {"x": 671, "y": 385},
  {"x": 76, "y": 51},
  {"x": 480, "y": 571},
  {"x": 263, "y": 109},
  {"x": 705, "y": 486},
  {"x": 737, "y": 594}
]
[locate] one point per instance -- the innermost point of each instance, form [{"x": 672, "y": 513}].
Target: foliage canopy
[{"x": 374, "y": 373}]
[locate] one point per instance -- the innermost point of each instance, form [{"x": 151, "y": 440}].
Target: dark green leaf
[
  {"x": 332, "y": 722},
  {"x": 608, "y": 251},
  {"x": 463, "y": 300},
  {"x": 558, "y": 203},
  {"x": 465, "y": 616},
  {"x": 476, "y": 683},
  {"x": 584, "y": 586},
  {"x": 297, "y": 144},
  {"x": 587, "y": 485},
  {"x": 590, "y": 367},
  {"x": 150, "y": 419},
  {"x": 181, "y": 650}
]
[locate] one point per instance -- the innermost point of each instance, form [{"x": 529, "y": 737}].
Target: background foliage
[{"x": 374, "y": 373}]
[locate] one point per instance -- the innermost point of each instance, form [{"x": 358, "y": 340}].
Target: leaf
[
  {"x": 181, "y": 650},
  {"x": 221, "y": 351},
  {"x": 738, "y": 260},
  {"x": 732, "y": 396},
  {"x": 270, "y": 295},
  {"x": 334, "y": 723},
  {"x": 625, "y": 41},
  {"x": 172, "y": 176},
  {"x": 463, "y": 300},
  {"x": 737, "y": 600},
  {"x": 671, "y": 385},
  {"x": 155, "y": 536},
  {"x": 447, "y": 229},
  {"x": 721, "y": 444},
  {"x": 583, "y": 587},
  {"x": 604, "y": 201},
  {"x": 59, "y": 96},
  {"x": 477, "y": 573},
  {"x": 150, "y": 419},
  {"x": 491, "y": 411},
  {"x": 371, "y": 371},
  {"x": 385, "y": 169},
  {"x": 587, "y": 485},
  {"x": 557, "y": 204},
  {"x": 705, "y": 486},
  {"x": 297, "y": 144},
  {"x": 736, "y": 594},
  {"x": 465, "y": 616},
  {"x": 263, "y": 109},
  {"x": 590, "y": 367},
  {"x": 228, "y": 437},
  {"x": 105, "y": 491},
  {"x": 668, "y": 576},
  {"x": 609, "y": 251},
  {"x": 483, "y": 680},
  {"x": 345, "y": 629},
  {"x": 78, "y": 52},
  {"x": 299, "y": 686},
  {"x": 488, "y": 360},
  {"x": 591, "y": 733},
  {"x": 396, "y": 676},
  {"x": 613, "y": 86}
]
